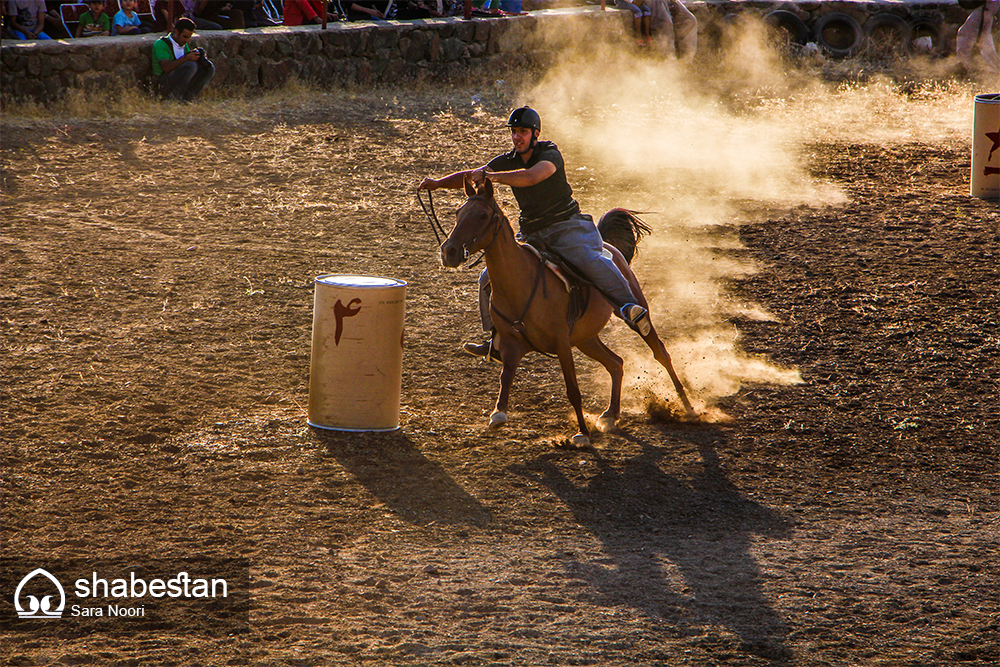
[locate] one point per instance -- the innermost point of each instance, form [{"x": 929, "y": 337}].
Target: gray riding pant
[{"x": 579, "y": 243}]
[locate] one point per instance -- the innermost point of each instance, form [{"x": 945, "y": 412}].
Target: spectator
[
  {"x": 258, "y": 18},
  {"x": 457, "y": 8},
  {"x": 181, "y": 72},
  {"x": 53, "y": 21},
  {"x": 248, "y": 8},
  {"x": 640, "y": 18},
  {"x": 127, "y": 22},
  {"x": 368, "y": 10},
  {"x": 675, "y": 28},
  {"x": 408, "y": 10},
  {"x": 504, "y": 7},
  {"x": 221, "y": 12},
  {"x": 94, "y": 22},
  {"x": 26, "y": 19},
  {"x": 168, "y": 11},
  {"x": 298, "y": 12},
  {"x": 978, "y": 29}
]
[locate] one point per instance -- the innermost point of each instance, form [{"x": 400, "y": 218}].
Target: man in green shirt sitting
[{"x": 181, "y": 71}]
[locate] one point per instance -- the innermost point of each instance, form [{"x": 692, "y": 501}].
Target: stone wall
[
  {"x": 365, "y": 53},
  {"x": 343, "y": 54}
]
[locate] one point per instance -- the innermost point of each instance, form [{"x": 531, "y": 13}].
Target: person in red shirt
[{"x": 298, "y": 12}]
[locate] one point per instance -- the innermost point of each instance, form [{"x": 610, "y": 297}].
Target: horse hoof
[
  {"x": 498, "y": 418},
  {"x": 606, "y": 424},
  {"x": 580, "y": 440}
]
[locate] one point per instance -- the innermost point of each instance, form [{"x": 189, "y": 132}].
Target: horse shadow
[
  {"x": 678, "y": 546},
  {"x": 397, "y": 474}
]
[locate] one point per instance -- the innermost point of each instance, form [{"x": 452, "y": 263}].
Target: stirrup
[
  {"x": 637, "y": 318},
  {"x": 483, "y": 350}
]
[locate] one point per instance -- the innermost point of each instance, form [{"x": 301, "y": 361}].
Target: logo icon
[{"x": 39, "y": 607}]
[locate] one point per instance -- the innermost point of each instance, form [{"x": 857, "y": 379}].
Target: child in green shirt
[{"x": 94, "y": 22}]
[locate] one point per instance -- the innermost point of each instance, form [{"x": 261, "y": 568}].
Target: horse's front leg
[
  {"x": 581, "y": 439},
  {"x": 510, "y": 353}
]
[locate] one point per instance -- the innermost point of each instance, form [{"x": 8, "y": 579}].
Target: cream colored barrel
[
  {"x": 357, "y": 353},
  {"x": 986, "y": 147}
]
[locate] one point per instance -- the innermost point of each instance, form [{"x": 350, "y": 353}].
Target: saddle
[{"x": 575, "y": 283}]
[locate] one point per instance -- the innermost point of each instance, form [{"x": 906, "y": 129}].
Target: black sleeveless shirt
[{"x": 543, "y": 203}]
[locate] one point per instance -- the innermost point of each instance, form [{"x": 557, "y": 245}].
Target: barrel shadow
[{"x": 394, "y": 470}]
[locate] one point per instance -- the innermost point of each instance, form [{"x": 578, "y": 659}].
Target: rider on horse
[{"x": 550, "y": 217}]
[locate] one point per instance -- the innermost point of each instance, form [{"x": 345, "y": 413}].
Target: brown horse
[{"x": 522, "y": 290}]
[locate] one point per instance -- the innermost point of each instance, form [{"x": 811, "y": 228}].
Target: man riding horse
[{"x": 550, "y": 217}]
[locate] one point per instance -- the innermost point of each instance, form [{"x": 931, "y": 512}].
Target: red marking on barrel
[{"x": 340, "y": 311}]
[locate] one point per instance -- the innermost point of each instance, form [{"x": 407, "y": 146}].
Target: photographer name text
[{"x": 113, "y": 611}]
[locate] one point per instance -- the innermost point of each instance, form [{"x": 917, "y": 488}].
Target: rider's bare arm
[
  {"x": 519, "y": 178},
  {"x": 523, "y": 178},
  {"x": 454, "y": 181}
]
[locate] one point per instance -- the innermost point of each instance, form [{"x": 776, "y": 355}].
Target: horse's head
[{"x": 478, "y": 225}]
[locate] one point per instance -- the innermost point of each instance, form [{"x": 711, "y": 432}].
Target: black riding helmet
[{"x": 525, "y": 117}]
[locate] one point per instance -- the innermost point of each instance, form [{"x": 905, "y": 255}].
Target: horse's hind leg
[
  {"x": 582, "y": 438},
  {"x": 598, "y": 351},
  {"x": 660, "y": 354},
  {"x": 652, "y": 339}
]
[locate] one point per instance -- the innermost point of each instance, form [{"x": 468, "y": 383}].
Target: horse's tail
[{"x": 623, "y": 229}]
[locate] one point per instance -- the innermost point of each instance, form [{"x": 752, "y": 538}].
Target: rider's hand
[{"x": 428, "y": 184}]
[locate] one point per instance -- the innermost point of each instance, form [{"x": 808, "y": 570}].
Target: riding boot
[
  {"x": 484, "y": 349},
  {"x": 637, "y": 318}
]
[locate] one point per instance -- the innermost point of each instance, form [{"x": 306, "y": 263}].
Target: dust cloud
[{"x": 700, "y": 147}]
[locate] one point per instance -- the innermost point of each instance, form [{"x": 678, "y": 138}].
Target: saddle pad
[{"x": 556, "y": 269}]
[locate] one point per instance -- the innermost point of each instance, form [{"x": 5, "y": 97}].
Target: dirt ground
[{"x": 156, "y": 297}]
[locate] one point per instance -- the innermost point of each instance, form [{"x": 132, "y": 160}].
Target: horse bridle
[
  {"x": 439, "y": 231},
  {"x": 497, "y": 228}
]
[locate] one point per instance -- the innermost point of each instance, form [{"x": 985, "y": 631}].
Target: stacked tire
[
  {"x": 842, "y": 36},
  {"x": 839, "y": 34},
  {"x": 887, "y": 35},
  {"x": 787, "y": 28}
]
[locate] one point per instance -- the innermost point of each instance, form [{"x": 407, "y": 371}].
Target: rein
[{"x": 431, "y": 215}]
